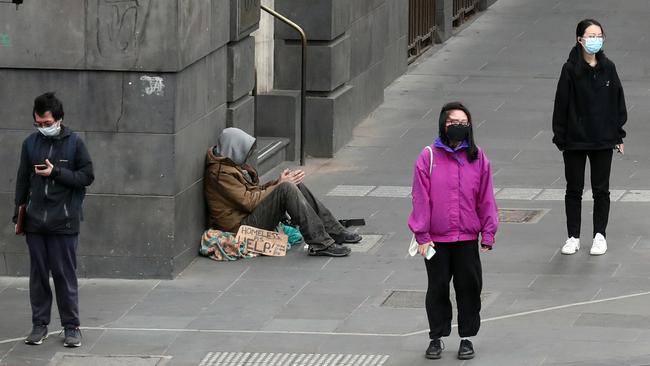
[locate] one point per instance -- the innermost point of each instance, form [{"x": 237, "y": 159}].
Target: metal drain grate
[
  {"x": 415, "y": 299},
  {"x": 66, "y": 359},
  {"x": 290, "y": 359},
  {"x": 367, "y": 243},
  {"x": 521, "y": 216}
]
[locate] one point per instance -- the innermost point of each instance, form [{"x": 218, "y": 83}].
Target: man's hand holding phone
[{"x": 44, "y": 170}]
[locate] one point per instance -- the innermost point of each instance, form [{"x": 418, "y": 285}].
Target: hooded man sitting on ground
[{"x": 235, "y": 197}]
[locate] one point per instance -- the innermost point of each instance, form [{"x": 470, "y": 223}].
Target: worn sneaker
[
  {"x": 466, "y": 350},
  {"x": 571, "y": 246},
  {"x": 38, "y": 334},
  {"x": 599, "y": 246},
  {"x": 434, "y": 350},
  {"x": 334, "y": 250},
  {"x": 72, "y": 337},
  {"x": 346, "y": 237}
]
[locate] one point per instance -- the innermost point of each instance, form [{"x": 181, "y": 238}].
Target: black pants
[
  {"x": 460, "y": 261},
  {"x": 316, "y": 222},
  {"x": 600, "y": 162},
  {"x": 56, "y": 254}
]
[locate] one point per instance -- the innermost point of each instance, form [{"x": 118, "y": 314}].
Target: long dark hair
[
  {"x": 472, "y": 150},
  {"x": 580, "y": 67}
]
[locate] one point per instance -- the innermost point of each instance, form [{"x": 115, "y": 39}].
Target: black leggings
[
  {"x": 460, "y": 261},
  {"x": 600, "y": 162}
]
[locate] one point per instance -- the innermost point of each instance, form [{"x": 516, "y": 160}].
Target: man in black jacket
[{"x": 54, "y": 170}]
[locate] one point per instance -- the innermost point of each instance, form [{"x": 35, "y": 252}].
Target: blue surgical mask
[
  {"x": 51, "y": 130},
  {"x": 593, "y": 45}
]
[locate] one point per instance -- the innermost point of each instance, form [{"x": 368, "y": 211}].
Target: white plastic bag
[{"x": 414, "y": 246}]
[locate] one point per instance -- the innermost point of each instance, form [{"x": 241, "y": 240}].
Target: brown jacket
[{"x": 230, "y": 197}]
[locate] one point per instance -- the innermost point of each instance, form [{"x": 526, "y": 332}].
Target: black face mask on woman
[{"x": 457, "y": 132}]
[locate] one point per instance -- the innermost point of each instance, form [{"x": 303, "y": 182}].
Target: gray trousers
[
  {"x": 56, "y": 254},
  {"x": 315, "y": 221}
]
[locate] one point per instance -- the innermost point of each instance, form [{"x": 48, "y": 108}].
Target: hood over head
[{"x": 234, "y": 144}]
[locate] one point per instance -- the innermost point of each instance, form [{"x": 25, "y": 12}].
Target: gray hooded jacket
[{"x": 234, "y": 144}]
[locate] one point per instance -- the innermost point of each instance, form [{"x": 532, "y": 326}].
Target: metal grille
[
  {"x": 463, "y": 9},
  {"x": 413, "y": 299},
  {"x": 290, "y": 359},
  {"x": 422, "y": 27},
  {"x": 520, "y": 216},
  {"x": 65, "y": 359}
]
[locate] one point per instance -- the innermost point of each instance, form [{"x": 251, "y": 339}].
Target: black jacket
[
  {"x": 54, "y": 202},
  {"x": 589, "y": 111}
]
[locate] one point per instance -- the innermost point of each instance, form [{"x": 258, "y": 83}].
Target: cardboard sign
[{"x": 262, "y": 241}]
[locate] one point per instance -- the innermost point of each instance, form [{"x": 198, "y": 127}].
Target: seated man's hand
[
  {"x": 292, "y": 176},
  {"x": 298, "y": 176}
]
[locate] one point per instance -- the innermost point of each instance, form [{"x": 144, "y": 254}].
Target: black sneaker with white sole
[
  {"x": 72, "y": 337},
  {"x": 38, "y": 334}
]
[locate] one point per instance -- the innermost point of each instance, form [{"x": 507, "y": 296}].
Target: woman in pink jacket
[{"x": 453, "y": 204}]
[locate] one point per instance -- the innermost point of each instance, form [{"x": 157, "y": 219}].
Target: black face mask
[{"x": 457, "y": 132}]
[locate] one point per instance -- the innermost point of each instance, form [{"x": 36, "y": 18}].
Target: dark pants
[
  {"x": 600, "y": 162},
  {"x": 56, "y": 254},
  {"x": 461, "y": 262},
  {"x": 316, "y": 222}
]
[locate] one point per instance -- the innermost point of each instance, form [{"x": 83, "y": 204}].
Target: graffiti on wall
[
  {"x": 153, "y": 85},
  {"x": 120, "y": 26}
]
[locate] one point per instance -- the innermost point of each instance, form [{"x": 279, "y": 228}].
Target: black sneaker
[
  {"x": 334, "y": 250},
  {"x": 346, "y": 237},
  {"x": 72, "y": 337},
  {"x": 38, "y": 334},
  {"x": 466, "y": 350},
  {"x": 434, "y": 350}
]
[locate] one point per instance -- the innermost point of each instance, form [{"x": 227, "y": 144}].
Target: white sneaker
[
  {"x": 599, "y": 247},
  {"x": 571, "y": 246}
]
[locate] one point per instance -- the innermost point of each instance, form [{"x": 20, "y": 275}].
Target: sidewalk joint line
[
  {"x": 230, "y": 286},
  {"x": 136, "y": 303},
  {"x": 353, "y": 334},
  {"x": 543, "y": 310},
  {"x": 537, "y": 135},
  {"x": 555, "y": 181},
  {"x": 554, "y": 254},
  {"x": 638, "y": 239},
  {"x": 326, "y": 263},
  {"x": 355, "y": 309},
  {"x": 298, "y": 292},
  {"x": 389, "y": 276},
  {"x": 596, "y": 294}
]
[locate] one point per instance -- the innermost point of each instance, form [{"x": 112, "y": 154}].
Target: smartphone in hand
[
  {"x": 430, "y": 252},
  {"x": 40, "y": 166}
]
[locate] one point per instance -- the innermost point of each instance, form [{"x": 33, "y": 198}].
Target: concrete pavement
[{"x": 539, "y": 308}]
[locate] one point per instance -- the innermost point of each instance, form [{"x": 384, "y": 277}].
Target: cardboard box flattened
[{"x": 264, "y": 242}]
